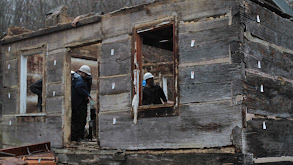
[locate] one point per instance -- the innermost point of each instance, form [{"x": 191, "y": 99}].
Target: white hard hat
[
  {"x": 86, "y": 69},
  {"x": 147, "y": 76}
]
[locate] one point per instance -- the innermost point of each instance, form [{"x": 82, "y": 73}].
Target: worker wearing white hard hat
[
  {"x": 152, "y": 94},
  {"x": 80, "y": 96}
]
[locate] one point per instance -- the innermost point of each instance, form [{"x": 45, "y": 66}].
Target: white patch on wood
[
  {"x": 9, "y": 49},
  {"x": 114, "y": 121},
  {"x": 112, "y": 52},
  {"x": 9, "y": 95},
  {"x": 10, "y": 123},
  {"x": 192, "y": 43},
  {"x": 264, "y": 125},
  {"x": 55, "y": 62},
  {"x": 8, "y": 67},
  {"x": 261, "y": 88},
  {"x": 257, "y": 19},
  {"x": 192, "y": 75},
  {"x": 113, "y": 85},
  {"x": 258, "y": 64},
  {"x": 54, "y": 93}
]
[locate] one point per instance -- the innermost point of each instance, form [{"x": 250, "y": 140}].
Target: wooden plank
[
  {"x": 50, "y": 30},
  {"x": 54, "y": 105},
  {"x": 10, "y": 70},
  {"x": 270, "y": 35},
  {"x": 205, "y": 36},
  {"x": 271, "y": 60},
  {"x": 116, "y": 64},
  {"x": 274, "y": 141},
  {"x": 196, "y": 93},
  {"x": 276, "y": 100},
  {"x": 198, "y": 126},
  {"x": 10, "y": 98},
  {"x": 268, "y": 18},
  {"x": 215, "y": 73},
  {"x": 206, "y": 51},
  {"x": 27, "y": 150},
  {"x": 55, "y": 72},
  {"x": 176, "y": 158},
  {"x": 89, "y": 51},
  {"x": 205, "y": 24},
  {"x": 117, "y": 102},
  {"x": 121, "y": 85},
  {"x": 211, "y": 82},
  {"x": 30, "y": 130}
]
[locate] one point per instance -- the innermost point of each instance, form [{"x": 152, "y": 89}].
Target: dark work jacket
[
  {"x": 152, "y": 95},
  {"x": 79, "y": 91},
  {"x": 36, "y": 88}
]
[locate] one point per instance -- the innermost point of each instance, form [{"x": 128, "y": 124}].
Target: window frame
[
  {"x": 159, "y": 110},
  {"x": 23, "y": 54}
]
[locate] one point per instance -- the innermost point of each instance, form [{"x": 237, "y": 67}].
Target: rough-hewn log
[
  {"x": 274, "y": 141},
  {"x": 10, "y": 73},
  {"x": 30, "y": 130},
  {"x": 119, "y": 62},
  {"x": 117, "y": 102},
  {"x": 275, "y": 100},
  {"x": 210, "y": 83},
  {"x": 272, "y": 61},
  {"x": 121, "y": 84},
  {"x": 198, "y": 126}
]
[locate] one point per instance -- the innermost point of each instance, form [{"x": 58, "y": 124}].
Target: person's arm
[
  {"x": 36, "y": 87},
  {"x": 81, "y": 90},
  {"x": 162, "y": 95}
]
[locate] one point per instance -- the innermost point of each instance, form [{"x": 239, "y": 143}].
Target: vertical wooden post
[{"x": 67, "y": 100}]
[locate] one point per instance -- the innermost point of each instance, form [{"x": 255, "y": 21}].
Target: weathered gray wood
[
  {"x": 270, "y": 35},
  {"x": 56, "y": 88},
  {"x": 54, "y": 105},
  {"x": 210, "y": 83},
  {"x": 116, "y": 64},
  {"x": 272, "y": 61},
  {"x": 215, "y": 73},
  {"x": 268, "y": 18},
  {"x": 30, "y": 130},
  {"x": 198, "y": 126},
  {"x": 10, "y": 105},
  {"x": 175, "y": 158},
  {"x": 117, "y": 102},
  {"x": 207, "y": 51},
  {"x": 201, "y": 25},
  {"x": 55, "y": 72},
  {"x": 122, "y": 85},
  {"x": 276, "y": 100},
  {"x": 195, "y": 93},
  {"x": 10, "y": 73},
  {"x": 209, "y": 35},
  {"x": 275, "y": 141},
  {"x": 52, "y": 30}
]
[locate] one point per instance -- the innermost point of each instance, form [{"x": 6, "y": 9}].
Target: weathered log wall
[
  {"x": 206, "y": 108},
  {"x": 29, "y": 128},
  {"x": 268, "y": 51},
  {"x": 228, "y": 45}
]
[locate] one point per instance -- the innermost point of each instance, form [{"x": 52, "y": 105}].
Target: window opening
[
  {"x": 156, "y": 54},
  {"x": 31, "y": 83}
]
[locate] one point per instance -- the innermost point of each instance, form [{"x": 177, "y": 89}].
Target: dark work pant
[{"x": 78, "y": 121}]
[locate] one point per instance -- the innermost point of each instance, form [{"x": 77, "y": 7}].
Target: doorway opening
[{"x": 85, "y": 114}]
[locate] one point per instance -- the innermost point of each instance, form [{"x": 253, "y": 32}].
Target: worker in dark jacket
[
  {"x": 152, "y": 94},
  {"x": 36, "y": 88},
  {"x": 80, "y": 96}
]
